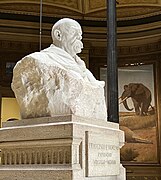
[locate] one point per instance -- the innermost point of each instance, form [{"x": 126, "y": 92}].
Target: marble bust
[{"x": 55, "y": 81}]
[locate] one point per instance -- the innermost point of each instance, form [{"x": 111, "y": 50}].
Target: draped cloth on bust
[{"x": 59, "y": 57}]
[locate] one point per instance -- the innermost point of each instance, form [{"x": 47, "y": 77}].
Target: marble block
[
  {"x": 69, "y": 149},
  {"x": 44, "y": 90},
  {"x": 55, "y": 81}
]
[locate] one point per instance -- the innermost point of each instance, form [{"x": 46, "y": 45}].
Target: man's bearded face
[{"x": 72, "y": 40}]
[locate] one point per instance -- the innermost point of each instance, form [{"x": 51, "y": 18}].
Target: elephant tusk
[
  {"x": 123, "y": 100},
  {"x": 119, "y": 97}
]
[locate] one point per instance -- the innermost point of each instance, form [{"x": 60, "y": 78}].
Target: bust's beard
[
  {"x": 77, "y": 46},
  {"x": 73, "y": 47}
]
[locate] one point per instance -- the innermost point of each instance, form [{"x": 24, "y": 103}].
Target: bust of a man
[{"x": 55, "y": 81}]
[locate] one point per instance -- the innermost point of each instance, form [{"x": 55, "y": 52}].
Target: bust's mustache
[{"x": 77, "y": 45}]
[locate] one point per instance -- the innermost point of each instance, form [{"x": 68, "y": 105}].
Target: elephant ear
[
  {"x": 126, "y": 87},
  {"x": 132, "y": 86},
  {"x": 140, "y": 89}
]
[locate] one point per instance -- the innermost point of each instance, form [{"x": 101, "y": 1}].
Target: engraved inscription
[{"x": 103, "y": 154}]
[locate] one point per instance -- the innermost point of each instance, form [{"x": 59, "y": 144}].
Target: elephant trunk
[{"x": 126, "y": 106}]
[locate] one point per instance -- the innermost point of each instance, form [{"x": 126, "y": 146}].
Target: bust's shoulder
[
  {"x": 39, "y": 60},
  {"x": 36, "y": 56}
]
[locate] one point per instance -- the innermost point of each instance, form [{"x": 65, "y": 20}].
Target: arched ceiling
[
  {"x": 83, "y": 9},
  {"x": 138, "y": 21}
]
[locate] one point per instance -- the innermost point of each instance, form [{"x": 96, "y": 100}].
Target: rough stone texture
[
  {"x": 44, "y": 90},
  {"x": 70, "y": 150}
]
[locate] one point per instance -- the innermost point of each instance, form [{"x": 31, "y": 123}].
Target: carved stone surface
[
  {"x": 66, "y": 148},
  {"x": 48, "y": 155},
  {"x": 103, "y": 153},
  {"x": 56, "y": 81}
]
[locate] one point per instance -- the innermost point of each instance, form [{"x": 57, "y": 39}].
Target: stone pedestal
[{"x": 61, "y": 148}]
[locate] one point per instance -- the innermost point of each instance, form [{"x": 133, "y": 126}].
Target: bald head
[
  {"x": 63, "y": 25},
  {"x": 67, "y": 34}
]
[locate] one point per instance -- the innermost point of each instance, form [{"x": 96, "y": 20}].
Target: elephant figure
[{"x": 140, "y": 95}]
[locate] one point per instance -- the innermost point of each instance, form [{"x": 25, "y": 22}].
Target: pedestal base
[{"x": 61, "y": 148}]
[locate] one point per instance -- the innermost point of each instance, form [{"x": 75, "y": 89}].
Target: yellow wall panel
[{"x": 10, "y": 109}]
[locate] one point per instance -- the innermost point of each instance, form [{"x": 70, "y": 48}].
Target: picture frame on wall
[{"x": 138, "y": 116}]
